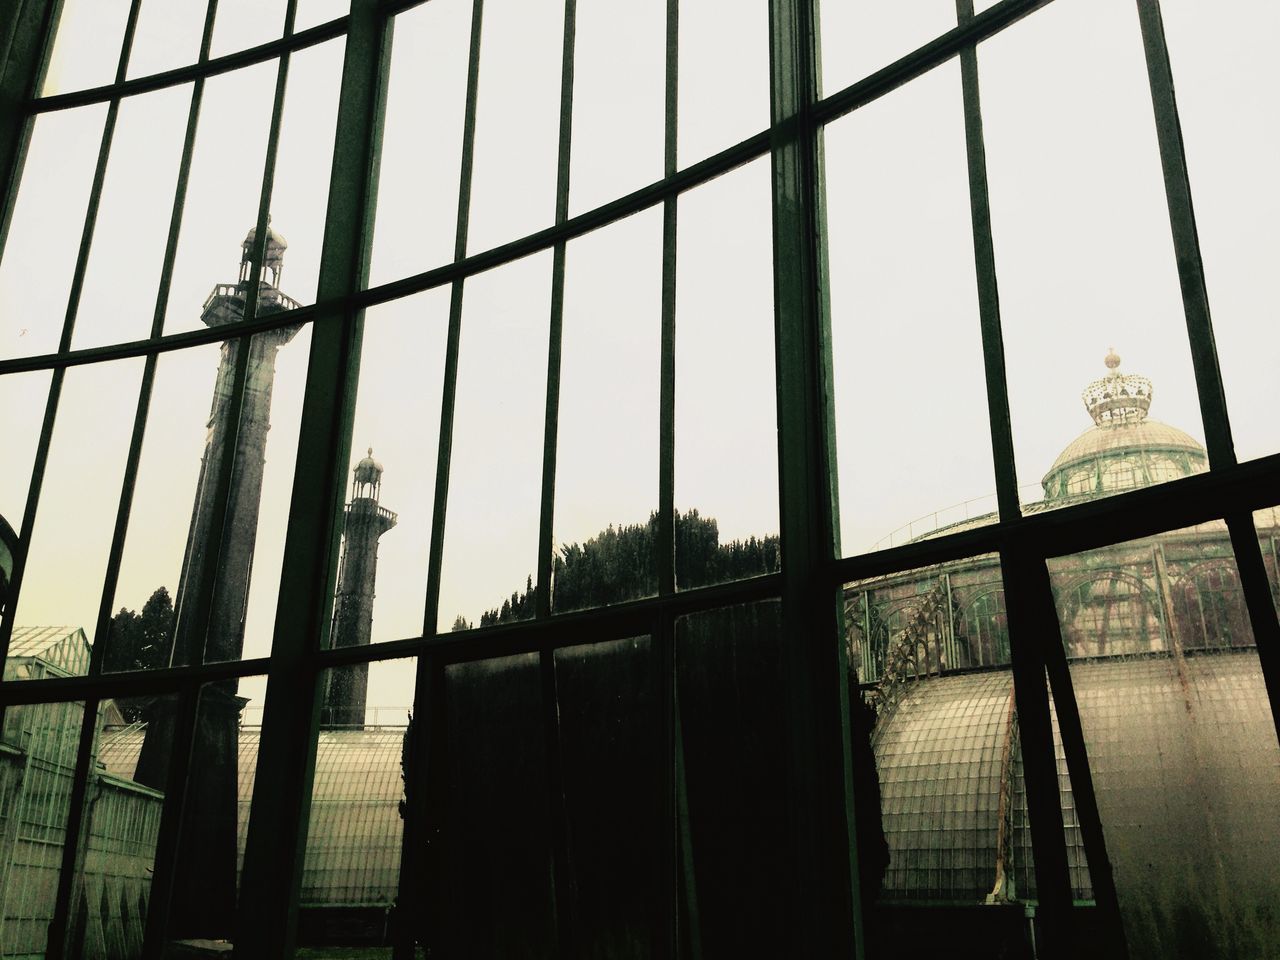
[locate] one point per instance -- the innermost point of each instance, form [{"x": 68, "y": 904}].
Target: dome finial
[{"x": 1117, "y": 397}]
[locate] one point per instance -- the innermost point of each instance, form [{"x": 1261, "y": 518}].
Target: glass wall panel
[
  {"x": 168, "y": 35},
  {"x": 860, "y": 38},
  {"x": 313, "y": 12},
  {"x": 1181, "y": 742},
  {"x": 45, "y": 229},
  {"x": 1223, "y": 71},
  {"x": 618, "y": 100},
  {"x": 67, "y": 556},
  {"x": 726, "y": 453},
  {"x": 517, "y": 121},
  {"x": 223, "y": 191},
  {"x": 23, "y": 397},
  {"x": 86, "y": 49},
  {"x": 118, "y": 300},
  {"x": 495, "y": 480},
  {"x": 246, "y": 23},
  {"x": 724, "y": 75},
  {"x": 397, "y": 425},
  {"x": 912, "y": 428},
  {"x": 1085, "y": 257},
  {"x": 607, "y": 458},
  {"x": 417, "y": 210}
]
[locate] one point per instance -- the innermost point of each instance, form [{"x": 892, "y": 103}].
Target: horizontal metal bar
[
  {"x": 126, "y": 684},
  {"x": 208, "y": 68}
]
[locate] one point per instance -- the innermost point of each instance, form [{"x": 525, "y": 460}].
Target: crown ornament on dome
[{"x": 1117, "y": 397}]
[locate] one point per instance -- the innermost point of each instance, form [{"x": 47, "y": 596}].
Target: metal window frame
[{"x": 822, "y": 801}]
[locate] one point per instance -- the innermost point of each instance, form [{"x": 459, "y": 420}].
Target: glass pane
[
  {"x": 401, "y": 368},
  {"x": 1084, "y": 255},
  {"x": 86, "y": 51},
  {"x": 618, "y": 100},
  {"x": 118, "y": 300},
  {"x": 729, "y": 745},
  {"x": 726, "y": 470},
  {"x": 1222, "y": 69},
  {"x": 223, "y": 191},
  {"x": 495, "y": 481},
  {"x": 607, "y": 459},
  {"x": 517, "y": 121},
  {"x": 1181, "y": 741},
  {"x": 246, "y": 23},
  {"x": 351, "y": 873},
  {"x": 496, "y": 812},
  {"x": 67, "y": 558},
  {"x": 1267, "y": 523},
  {"x": 38, "y": 746},
  {"x": 167, "y": 36},
  {"x": 421, "y": 156},
  {"x": 313, "y": 12},
  {"x": 903, "y": 298},
  {"x": 724, "y": 75},
  {"x": 860, "y": 38},
  {"x": 23, "y": 397},
  {"x": 613, "y": 754},
  {"x": 44, "y": 232}
]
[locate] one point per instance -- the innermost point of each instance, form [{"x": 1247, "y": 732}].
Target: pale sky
[{"x": 1082, "y": 244}]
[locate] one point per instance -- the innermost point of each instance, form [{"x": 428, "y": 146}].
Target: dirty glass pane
[
  {"x": 607, "y": 458},
  {"x": 45, "y": 229},
  {"x": 167, "y": 36},
  {"x": 726, "y": 448},
  {"x": 421, "y": 157},
  {"x": 223, "y": 192},
  {"x": 495, "y": 480},
  {"x": 1085, "y": 258},
  {"x": 860, "y": 38},
  {"x": 517, "y": 121},
  {"x": 86, "y": 49},
  {"x": 729, "y": 745},
  {"x": 618, "y": 100},
  {"x": 613, "y": 751},
  {"x": 67, "y": 558},
  {"x": 724, "y": 75},
  {"x": 1223, "y": 71},
  {"x": 494, "y": 895},
  {"x": 912, "y": 429},
  {"x": 390, "y": 500},
  {"x": 1181, "y": 740},
  {"x": 351, "y": 871},
  {"x": 117, "y": 302}
]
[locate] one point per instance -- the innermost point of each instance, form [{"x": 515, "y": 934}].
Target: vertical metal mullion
[
  {"x": 280, "y": 809},
  {"x": 823, "y": 888}
]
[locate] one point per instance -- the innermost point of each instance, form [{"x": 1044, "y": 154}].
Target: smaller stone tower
[{"x": 366, "y": 522}]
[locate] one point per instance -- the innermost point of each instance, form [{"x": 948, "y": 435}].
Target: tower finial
[{"x": 1117, "y": 397}]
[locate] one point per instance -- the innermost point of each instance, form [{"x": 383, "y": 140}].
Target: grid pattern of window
[{"x": 734, "y": 691}]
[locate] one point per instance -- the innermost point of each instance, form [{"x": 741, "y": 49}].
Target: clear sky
[{"x": 1083, "y": 252}]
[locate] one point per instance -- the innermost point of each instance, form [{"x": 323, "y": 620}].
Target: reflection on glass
[
  {"x": 38, "y": 746},
  {"x": 618, "y": 97},
  {"x": 168, "y": 35},
  {"x": 726, "y": 453},
  {"x": 860, "y": 38},
  {"x": 246, "y": 23},
  {"x": 912, "y": 432},
  {"x": 1222, "y": 71},
  {"x": 117, "y": 302},
  {"x": 724, "y": 75},
  {"x": 1180, "y": 737},
  {"x": 67, "y": 557},
  {"x": 22, "y": 404},
  {"x": 401, "y": 367},
  {"x": 517, "y": 121},
  {"x": 607, "y": 456},
  {"x": 495, "y": 481},
  {"x": 613, "y": 756},
  {"x": 86, "y": 50},
  {"x": 224, "y": 188},
  {"x": 422, "y": 140},
  {"x": 1081, "y": 227},
  {"x": 48, "y": 219}
]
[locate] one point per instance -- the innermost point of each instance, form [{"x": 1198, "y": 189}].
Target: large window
[{"x": 566, "y": 478}]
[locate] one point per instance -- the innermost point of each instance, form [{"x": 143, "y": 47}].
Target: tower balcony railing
[{"x": 268, "y": 296}]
